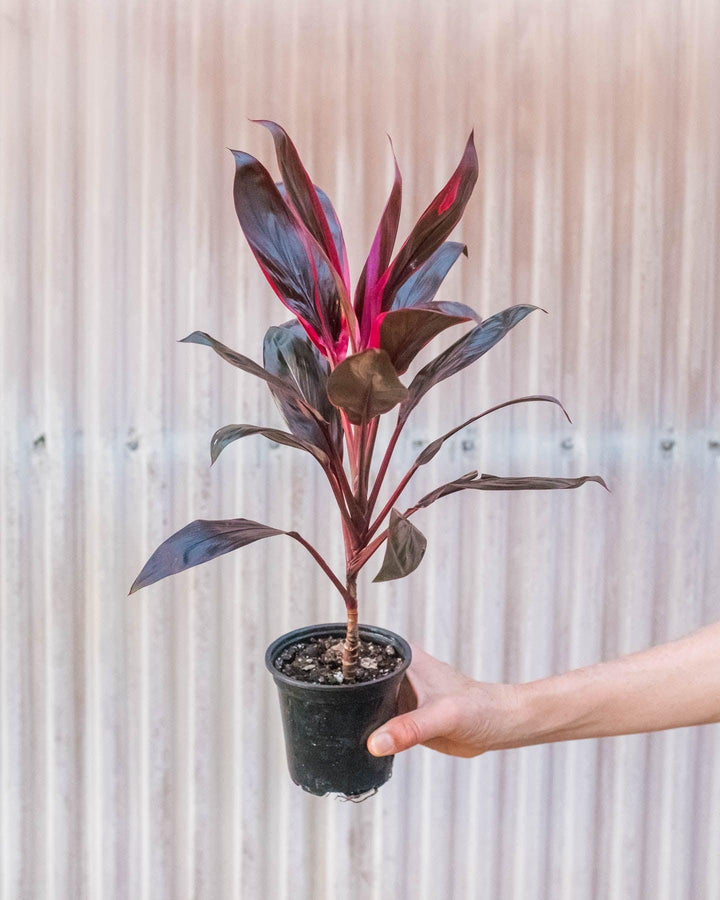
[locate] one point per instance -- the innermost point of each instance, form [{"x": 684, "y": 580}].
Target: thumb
[{"x": 416, "y": 727}]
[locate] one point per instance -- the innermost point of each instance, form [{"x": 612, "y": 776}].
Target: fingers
[{"x": 415, "y": 727}]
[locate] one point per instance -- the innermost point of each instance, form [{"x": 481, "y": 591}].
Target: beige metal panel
[{"x": 140, "y": 746}]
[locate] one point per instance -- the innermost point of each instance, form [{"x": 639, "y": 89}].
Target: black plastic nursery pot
[{"x": 326, "y": 726}]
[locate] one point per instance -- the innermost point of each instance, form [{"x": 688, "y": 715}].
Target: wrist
[{"x": 548, "y": 710}]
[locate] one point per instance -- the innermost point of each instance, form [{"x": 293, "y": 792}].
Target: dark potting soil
[{"x": 318, "y": 660}]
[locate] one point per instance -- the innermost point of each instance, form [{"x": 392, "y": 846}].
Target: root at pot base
[
  {"x": 326, "y": 726},
  {"x": 319, "y": 661}
]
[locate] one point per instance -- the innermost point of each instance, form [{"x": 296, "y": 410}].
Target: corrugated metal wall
[{"x": 140, "y": 744}]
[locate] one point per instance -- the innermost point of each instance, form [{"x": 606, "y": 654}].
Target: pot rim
[{"x": 373, "y": 631}]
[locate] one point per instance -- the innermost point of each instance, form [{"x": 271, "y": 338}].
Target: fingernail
[{"x": 381, "y": 744}]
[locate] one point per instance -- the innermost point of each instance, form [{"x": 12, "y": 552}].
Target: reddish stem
[
  {"x": 391, "y": 501},
  {"x": 368, "y": 448},
  {"x": 351, "y": 647},
  {"x": 340, "y": 498},
  {"x": 389, "y": 450},
  {"x": 364, "y": 555},
  {"x": 347, "y": 597},
  {"x": 354, "y": 511},
  {"x": 349, "y": 440}
]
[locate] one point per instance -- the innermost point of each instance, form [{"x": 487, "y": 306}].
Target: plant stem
[
  {"x": 338, "y": 494},
  {"x": 349, "y": 440},
  {"x": 361, "y": 474},
  {"x": 384, "y": 465},
  {"x": 350, "y": 599},
  {"x": 353, "y": 510},
  {"x": 369, "y": 433},
  {"x": 351, "y": 648},
  {"x": 391, "y": 501},
  {"x": 364, "y": 555}
]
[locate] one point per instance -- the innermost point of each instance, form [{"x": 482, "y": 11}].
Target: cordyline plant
[{"x": 335, "y": 368}]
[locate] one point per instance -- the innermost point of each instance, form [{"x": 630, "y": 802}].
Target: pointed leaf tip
[
  {"x": 488, "y": 482},
  {"x": 197, "y": 543},
  {"x": 434, "y": 225},
  {"x": 307, "y": 202},
  {"x": 242, "y": 158},
  {"x": 433, "y": 447},
  {"x": 283, "y": 239},
  {"x": 368, "y": 291},
  {"x": 229, "y": 433},
  {"x": 469, "y": 348},
  {"x": 422, "y": 286}
]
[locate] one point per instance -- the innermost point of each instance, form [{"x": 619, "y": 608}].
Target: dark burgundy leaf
[
  {"x": 429, "y": 452},
  {"x": 434, "y": 225},
  {"x": 424, "y": 283},
  {"x": 305, "y": 199},
  {"x": 402, "y": 333},
  {"x": 450, "y": 308},
  {"x": 229, "y": 433},
  {"x": 289, "y": 355},
  {"x": 404, "y": 550},
  {"x": 286, "y": 389},
  {"x": 367, "y": 299},
  {"x": 462, "y": 353},
  {"x": 335, "y": 229},
  {"x": 496, "y": 483},
  {"x": 291, "y": 259},
  {"x": 199, "y": 542},
  {"x": 365, "y": 385},
  {"x": 337, "y": 234}
]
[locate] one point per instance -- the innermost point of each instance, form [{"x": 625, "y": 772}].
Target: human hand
[
  {"x": 445, "y": 710},
  {"x": 672, "y": 685}
]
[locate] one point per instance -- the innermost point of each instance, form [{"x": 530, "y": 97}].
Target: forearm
[{"x": 668, "y": 686}]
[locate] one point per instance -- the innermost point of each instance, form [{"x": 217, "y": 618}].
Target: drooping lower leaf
[
  {"x": 290, "y": 356},
  {"x": 422, "y": 286},
  {"x": 203, "y": 540},
  {"x": 462, "y": 353},
  {"x": 199, "y": 542},
  {"x": 365, "y": 385},
  {"x": 277, "y": 385},
  {"x": 432, "y": 448},
  {"x": 404, "y": 549},
  {"x": 497, "y": 483},
  {"x": 229, "y": 433},
  {"x": 402, "y": 333}
]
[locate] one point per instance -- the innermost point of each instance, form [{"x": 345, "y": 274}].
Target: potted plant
[{"x": 334, "y": 370}]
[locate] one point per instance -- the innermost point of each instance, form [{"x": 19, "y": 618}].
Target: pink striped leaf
[
  {"x": 432, "y": 228},
  {"x": 306, "y": 201},
  {"x": 291, "y": 259},
  {"x": 379, "y": 257}
]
